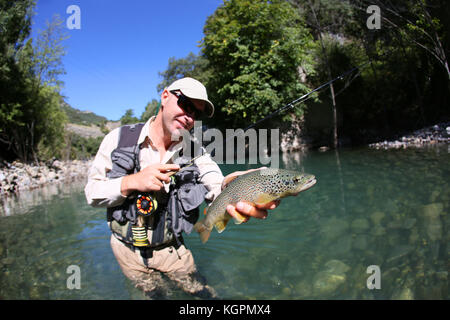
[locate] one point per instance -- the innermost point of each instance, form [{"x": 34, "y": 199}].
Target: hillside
[
  {"x": 87, "y": 124},
  {"x": 86, "y": 118}
]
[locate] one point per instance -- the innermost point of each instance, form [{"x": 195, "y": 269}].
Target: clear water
[{"x": 369, "y": 207}]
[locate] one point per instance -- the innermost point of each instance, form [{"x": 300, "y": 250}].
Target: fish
[{"x": 255, "y": 187}]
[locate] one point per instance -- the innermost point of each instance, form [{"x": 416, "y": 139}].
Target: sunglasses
[{"x": 187, "y": 105}]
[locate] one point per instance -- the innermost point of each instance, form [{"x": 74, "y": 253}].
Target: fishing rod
[
  {"x": 292, "y": 104},
  {"x": 303, "y": 98}
]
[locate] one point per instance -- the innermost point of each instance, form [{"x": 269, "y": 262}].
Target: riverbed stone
[
  {"x": 398, "y": 253},
  {"x": 376, "y": 217},
  {"x": 330, "y": 278},
  {"x": 304, "y": 289},
  {"x": 336, "y": 267},
  {"x": 432, "y": 220},
  {"x": 360, "y": 225},
  {"x": 325, "y": 283},
  {"x": 333, "y": 228},
  {"x": 403, "y": 294}
]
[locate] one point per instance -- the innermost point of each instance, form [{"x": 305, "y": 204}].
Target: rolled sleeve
[
  {"x": 211, "y": 176},
  {"x": 101, "y": 191}
]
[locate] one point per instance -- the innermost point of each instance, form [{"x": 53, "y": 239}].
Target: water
[{"x": 369, "y": 207}]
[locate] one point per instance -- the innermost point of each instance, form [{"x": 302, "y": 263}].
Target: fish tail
[{"x": 203, "y": 231}]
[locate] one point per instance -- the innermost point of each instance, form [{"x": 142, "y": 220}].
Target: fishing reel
[{"x": 146, "y": 204}]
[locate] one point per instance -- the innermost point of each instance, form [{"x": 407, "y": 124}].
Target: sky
[{"x": 112, "y": 61}]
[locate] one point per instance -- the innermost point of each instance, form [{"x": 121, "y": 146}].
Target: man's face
[{"x": 175, "y": 117}]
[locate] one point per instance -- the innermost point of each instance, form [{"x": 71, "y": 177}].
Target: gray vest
[{"x": 177, "y": 210}]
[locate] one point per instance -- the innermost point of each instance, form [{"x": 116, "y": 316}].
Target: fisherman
[{"x": 138, "y": 159}]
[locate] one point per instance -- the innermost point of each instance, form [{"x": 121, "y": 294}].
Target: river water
[{"x": 375, "y": 226}]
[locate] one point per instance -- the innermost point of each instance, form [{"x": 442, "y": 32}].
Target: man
[{"x": 149, "y": 169}]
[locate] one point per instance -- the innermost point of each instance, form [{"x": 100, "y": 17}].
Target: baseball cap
[{"x": 193, "y": 89}]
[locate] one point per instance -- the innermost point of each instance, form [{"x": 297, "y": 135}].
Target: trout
[{"x": 255, "y": 187}]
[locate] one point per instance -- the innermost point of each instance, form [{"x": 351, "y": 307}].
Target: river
[{"x": 375, "y": 226}]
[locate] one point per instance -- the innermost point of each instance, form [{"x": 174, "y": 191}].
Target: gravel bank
[
  {"x": 17, "y": 176},
  {"x": 437, "y": 134}
]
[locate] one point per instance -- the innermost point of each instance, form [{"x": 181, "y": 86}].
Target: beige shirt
[{"x": 103, "y": 192}]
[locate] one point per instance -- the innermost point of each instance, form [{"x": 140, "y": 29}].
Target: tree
[
  {"x": 128, "y": 117},
  {"x": 194, "y": 66},
  {"x": 30, "y": 112},
  {"x": 254, "y": 50},
  {"x": 150, "y": 110}
]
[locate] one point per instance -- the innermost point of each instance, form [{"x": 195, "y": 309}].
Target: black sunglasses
[{"x": 187, "y": 105}]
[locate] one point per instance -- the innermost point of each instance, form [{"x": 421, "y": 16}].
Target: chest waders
[{"x": 152, "y": 220}]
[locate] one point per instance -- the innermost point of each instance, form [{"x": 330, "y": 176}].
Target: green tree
[
  {"x": 254, "y": 50},
  {"x": 128, "y": 117},
  {"x": 30, "y": 112},
  {"x": 150, "y": 110},
  {"x": 194, "y": 66}
]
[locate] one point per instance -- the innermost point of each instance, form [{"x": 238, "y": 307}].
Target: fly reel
[{"x": 146, "y": 204}]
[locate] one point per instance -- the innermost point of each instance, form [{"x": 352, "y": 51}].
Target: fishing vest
[{"x": 177, "y": 211}]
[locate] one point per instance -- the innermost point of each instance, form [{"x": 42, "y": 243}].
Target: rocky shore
[
  {"x": 437, "y": 134},
  {"x": 18, "y": 177}
]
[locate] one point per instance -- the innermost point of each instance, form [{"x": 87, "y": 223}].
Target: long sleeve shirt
[{"x": 103, "y": 192}]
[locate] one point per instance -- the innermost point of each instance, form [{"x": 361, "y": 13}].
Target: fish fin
[
  {"x": 264, "y": 198},
  {"x": 203, "y": 231},
  {"x": 229, "y": 180},
  {"x": 205, "y": 211},
  {"x": 221, "y": 225}
]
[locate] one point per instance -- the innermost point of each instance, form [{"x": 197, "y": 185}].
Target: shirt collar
[{"x": 145, "y": 134}]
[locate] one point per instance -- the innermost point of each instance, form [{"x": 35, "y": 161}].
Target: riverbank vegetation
[{"x": 255, "y": 57}]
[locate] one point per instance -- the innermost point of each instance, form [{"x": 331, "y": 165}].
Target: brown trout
[{"x": 256, "y": 187}]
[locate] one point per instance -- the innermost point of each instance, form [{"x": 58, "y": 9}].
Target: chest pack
[{"x": 176, "y": 211}]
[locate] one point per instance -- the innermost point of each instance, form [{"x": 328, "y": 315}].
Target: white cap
[{"x": 193, "y": 89}]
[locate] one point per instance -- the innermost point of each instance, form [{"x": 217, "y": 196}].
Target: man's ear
[{"x": 165, "y": 95}]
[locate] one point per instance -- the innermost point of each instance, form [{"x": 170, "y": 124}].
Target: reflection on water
[{"x": 383, "y": 208}]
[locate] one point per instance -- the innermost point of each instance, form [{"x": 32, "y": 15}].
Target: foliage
[
  {"x": 151, "y": 109},
  {"x": 194, "y": 66},
  {"x": 82, "y": 117},
  {"x": 82, "y": 147},
  {"x": 30, "y": 113},
  {"x": 128, "y": 117},
  {"x": 254, "y": 50}
]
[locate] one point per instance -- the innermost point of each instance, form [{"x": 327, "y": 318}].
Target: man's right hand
[{"x": 150, "y": 178}]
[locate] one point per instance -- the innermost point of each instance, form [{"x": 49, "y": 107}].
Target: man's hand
[
  {"x": 148, "y": 179},
  {"x": 243, "y": 210}
]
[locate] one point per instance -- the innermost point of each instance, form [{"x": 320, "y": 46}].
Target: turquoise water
[{"x": 369, "y": 207}]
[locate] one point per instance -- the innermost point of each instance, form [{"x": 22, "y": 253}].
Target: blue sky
[{"x": 113, "y": 60}]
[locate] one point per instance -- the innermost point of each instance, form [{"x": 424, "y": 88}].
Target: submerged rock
[
  {"x": 328, "y": 280},
  {"x": 403, "y": 294},
  {"x": 376, "y": 217},
  {"x": 433, "y": 224},
  {"x": 398, "y": 253},
  {"x": 360, "y": 225}
]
